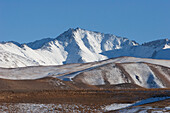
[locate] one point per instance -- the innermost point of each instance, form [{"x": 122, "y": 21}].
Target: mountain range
[
  {"x": 78, "y": 46},
  {"x": 92, "y": 60}
]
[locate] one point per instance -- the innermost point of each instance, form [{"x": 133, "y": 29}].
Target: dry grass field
[
  {"x": 54, "y": 95},
  {"x": 80, "y": 96},
  {"x": 76, "y": 100}
]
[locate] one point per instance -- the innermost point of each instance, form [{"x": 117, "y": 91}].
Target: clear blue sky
[{"x": 29, "y": 20}]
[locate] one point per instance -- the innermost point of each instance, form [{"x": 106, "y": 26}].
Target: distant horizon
[
  {"x": 143, "y": 21},
  {"x": 74, "y": 29}
]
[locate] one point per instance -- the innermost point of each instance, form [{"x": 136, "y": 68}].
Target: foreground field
[
  {"x": 79, "y": 108},
  {"x": 81, "y": 96},
  {"x": 78, "y": 100}
]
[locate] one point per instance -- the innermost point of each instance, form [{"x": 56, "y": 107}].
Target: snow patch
[
  {"x": 150, "y": 100},
  {"x": 116, "y": 106}
]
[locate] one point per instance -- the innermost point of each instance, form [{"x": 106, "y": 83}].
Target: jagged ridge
[{"x": 77, "y": 46}]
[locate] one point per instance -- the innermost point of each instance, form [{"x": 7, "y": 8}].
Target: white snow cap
[{"x": 77, "y": 46}]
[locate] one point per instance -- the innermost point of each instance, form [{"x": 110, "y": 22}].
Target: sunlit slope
[
  {"x": 78, "y": 46},
  {"x": 146, "y": 73}
]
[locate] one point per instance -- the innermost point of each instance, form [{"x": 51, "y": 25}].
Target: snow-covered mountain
[
  {"x": 78, "y": 46},
  {"x": 159, "y": 49}
]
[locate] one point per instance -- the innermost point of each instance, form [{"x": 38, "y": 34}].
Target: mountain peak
[
  {"x": 13, "y": 42},
  {"x": 78, "y": 46},
  {"x": 157, "y": 43},
  {"x": 74, "y": 29}
]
